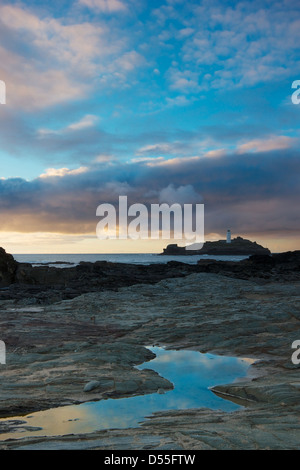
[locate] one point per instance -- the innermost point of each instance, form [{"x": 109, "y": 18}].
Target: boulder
[
  {"x": 91, "y": 385},
  {"x": 8, "y": 266}
]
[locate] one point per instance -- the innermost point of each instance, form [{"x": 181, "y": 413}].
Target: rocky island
[{"x": 236, "y": 247}]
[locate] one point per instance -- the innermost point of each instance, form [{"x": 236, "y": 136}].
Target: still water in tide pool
[{"x": 191, "y": 373}]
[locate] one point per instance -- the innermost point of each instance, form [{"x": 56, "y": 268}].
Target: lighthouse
[{"x": 228, "y": 240}]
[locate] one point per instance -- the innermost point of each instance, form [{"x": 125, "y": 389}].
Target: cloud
[
  {"x": 229, "y": 44},
  {"x": 186, "y": 81},
  {"x": 129, "y": 61},
  {"x": 182, "y": 195},
  {"x": 160, "y": 148},
  {"x": 103, "y": 158},
  {"x": 179, "y": 100},
  {"x": 185, "y": 32},
  {"x": 174, "y": 148},
  {"x": 248, "y": 194},
  {"x": 45, "y": 75},
  {"x": 266, "y": 145},
  {"x": 177, "y": 161},
  {"x": 216, "y": 153},
  {"x": 48, "y": 60},
  {"x": 87, "y": 121},
  {"x": 105, "y": 6},
  {"x": 61, "y": 172},
  {"x": 147, "y": 159}
]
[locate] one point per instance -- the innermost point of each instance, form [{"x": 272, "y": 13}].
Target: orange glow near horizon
[{"x": 56, "y": 243}]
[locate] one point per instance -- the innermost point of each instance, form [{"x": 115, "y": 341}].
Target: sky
[{"x": 161, "y": 101}]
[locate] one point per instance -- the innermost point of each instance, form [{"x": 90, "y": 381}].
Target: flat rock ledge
[{"x": 86, "y": 348}]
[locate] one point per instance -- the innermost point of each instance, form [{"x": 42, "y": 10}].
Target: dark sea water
[{"x": 134, "y": 258}]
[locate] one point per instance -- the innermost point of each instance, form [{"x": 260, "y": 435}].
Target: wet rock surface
[{"x": 57, "y": 350}]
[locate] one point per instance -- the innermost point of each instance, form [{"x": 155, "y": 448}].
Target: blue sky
[{"x": 105, "y": 96}]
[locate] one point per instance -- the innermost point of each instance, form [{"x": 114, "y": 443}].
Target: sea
[{"x": 70, "y": 260}]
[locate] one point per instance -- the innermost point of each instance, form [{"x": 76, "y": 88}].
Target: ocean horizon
[{"x": 69, "y": 260}]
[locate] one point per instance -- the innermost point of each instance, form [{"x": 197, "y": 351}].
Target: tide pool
[{"x": 191, "y": 373}]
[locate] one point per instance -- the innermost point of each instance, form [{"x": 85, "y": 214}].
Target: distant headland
[{"x": 236, "y": 247}]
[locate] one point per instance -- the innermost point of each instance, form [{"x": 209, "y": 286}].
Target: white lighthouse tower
[{"x": 228, "y": 240}]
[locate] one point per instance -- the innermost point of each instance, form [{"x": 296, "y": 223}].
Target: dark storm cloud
[{"x": 250, "y": 192}]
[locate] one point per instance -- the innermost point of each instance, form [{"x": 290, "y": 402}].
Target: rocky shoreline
[
  {"x": 44, "y": 284},
  {"x": 58, "y": 347}
]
